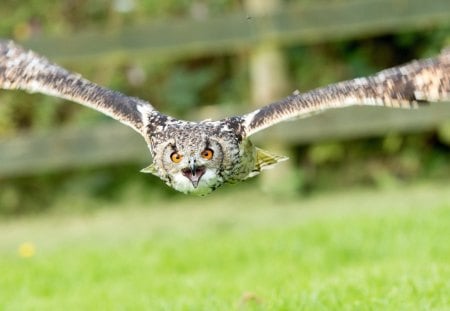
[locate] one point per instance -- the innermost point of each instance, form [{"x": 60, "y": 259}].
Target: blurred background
[
  {"x": 356, "y": 220},
  {"x": 211, "y": 59}
]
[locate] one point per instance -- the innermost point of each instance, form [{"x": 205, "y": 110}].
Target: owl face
[
  {"x": 195, "y": 161},
  {"x": 193, "y": 166}
]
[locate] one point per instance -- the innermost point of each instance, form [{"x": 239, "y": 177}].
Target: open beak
[{"x": 194, "y": 173}]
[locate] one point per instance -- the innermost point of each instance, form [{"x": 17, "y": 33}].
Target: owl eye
[
  {"x": 207, "y": 154},
  {"x": 176, "y": 157}
]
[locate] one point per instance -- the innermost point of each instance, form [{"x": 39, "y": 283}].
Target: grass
[{"x": 362, "y": 250}]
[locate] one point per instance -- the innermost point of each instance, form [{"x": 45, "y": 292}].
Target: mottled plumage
[{"x": 198, "y": 157}]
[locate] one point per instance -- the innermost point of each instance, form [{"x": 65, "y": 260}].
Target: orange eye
[
  {"x": 176, "y": 157},
  {"x": 207, "y": 154}
]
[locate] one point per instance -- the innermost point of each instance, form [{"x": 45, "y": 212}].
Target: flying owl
[{"x": 199, "y": 157}]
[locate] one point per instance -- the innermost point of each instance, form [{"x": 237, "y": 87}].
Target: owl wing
[
  {"x": 25, "y": 70},
  {"x": 405, "y": 86}
]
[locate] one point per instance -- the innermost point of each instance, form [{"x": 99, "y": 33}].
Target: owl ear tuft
[
  {"x": 150, "y": 169},
  {"x": 265, "y": 160}
]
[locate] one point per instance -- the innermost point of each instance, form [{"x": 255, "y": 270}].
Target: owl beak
[{"x": 193, "y": 173}]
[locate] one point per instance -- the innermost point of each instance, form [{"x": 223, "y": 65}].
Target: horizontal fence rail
[{"x": 70, "y": 148}]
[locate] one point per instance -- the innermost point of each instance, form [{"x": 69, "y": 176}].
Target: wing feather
[
  {"x": 405, "y": 86},
  {"x": 25, "y": 70}
]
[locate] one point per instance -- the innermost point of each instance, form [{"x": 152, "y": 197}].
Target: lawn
[{"x": 244, "y": 250}]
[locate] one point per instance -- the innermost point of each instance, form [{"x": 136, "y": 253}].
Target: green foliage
[
  {"x": 182, "y": 88},
  {"x": 107, "y": 185},
  {"x": 381, "y": 162},
  {"x": 444, "y": 133},
  {"x": 350, "y": 251}
]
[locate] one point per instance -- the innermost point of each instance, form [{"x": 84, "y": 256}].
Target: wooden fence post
[{"x": 269, "y": 82}]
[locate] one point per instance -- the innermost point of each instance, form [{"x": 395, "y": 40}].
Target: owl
[{"x": 199, "y": 157}]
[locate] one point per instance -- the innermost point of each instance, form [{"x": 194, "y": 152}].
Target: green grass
[{"x": 363, "y": 250}]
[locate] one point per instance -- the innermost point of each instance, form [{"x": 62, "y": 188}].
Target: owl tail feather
[{"x": 265, "y": 160}]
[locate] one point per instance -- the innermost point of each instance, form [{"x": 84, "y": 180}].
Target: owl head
[
  {"x": 194, "y": 158},
  {"x": 197, "y": 158}
]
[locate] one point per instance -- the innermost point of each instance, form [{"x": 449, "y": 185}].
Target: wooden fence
[{"x": 109, "y": 143}]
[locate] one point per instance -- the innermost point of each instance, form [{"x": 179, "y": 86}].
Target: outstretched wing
[
  {"x": 406, "y": 86},
  {"x": 25, "y": 70}
]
